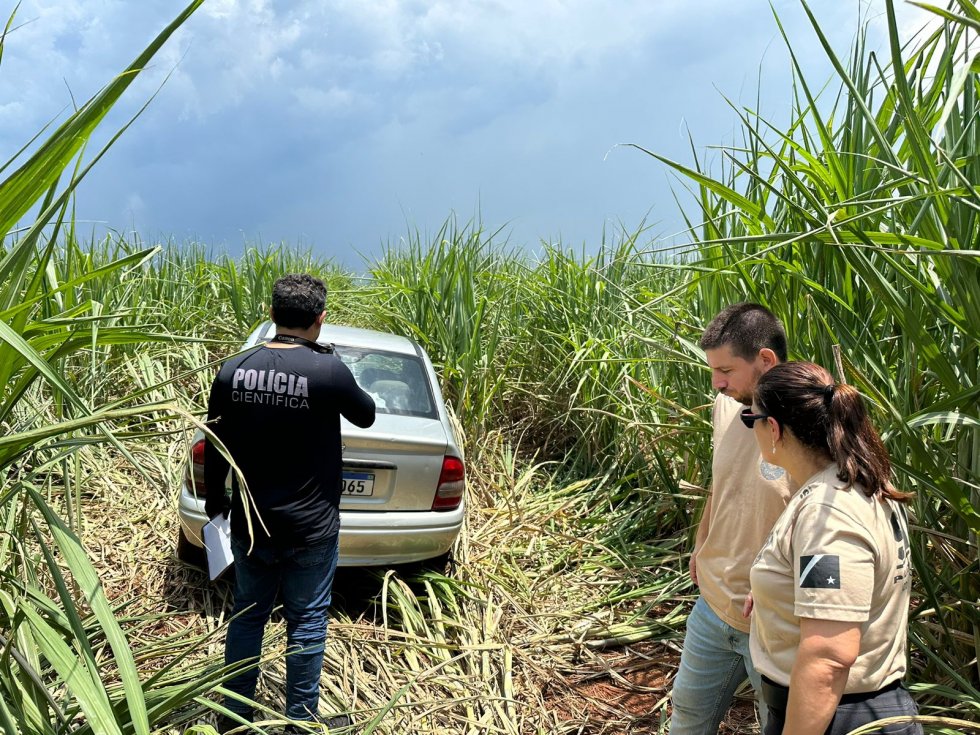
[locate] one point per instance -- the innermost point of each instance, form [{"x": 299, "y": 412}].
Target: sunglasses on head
[{"x": 749, "y": 418}]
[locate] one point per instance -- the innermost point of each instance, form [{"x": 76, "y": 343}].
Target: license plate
[{"x": 358, "y": 483}]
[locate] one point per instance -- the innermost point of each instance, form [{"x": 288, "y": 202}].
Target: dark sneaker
[{"x": 338, "y": 722}]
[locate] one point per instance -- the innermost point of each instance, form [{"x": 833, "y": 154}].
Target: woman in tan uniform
[{"x": 830, "y": 587}]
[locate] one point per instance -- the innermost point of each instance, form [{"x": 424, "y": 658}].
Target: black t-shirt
[{"x": 278, "y": 410}]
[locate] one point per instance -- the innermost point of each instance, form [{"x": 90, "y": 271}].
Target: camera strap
[{"x": 291, "y": 339}]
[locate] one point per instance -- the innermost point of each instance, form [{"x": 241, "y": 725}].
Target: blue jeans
[
  {"x": 714, "y": 661},
  {"x": 303, "y": 577}
]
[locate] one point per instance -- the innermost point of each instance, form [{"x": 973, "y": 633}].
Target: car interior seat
[{"x": 395, "y": 393}]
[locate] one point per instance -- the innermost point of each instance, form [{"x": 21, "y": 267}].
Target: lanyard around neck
[{"x": 291, "y": 339}]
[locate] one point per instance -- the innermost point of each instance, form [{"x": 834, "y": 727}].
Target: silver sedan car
[{"x": 403, "y": 477}]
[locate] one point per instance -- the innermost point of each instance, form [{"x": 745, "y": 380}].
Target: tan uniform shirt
[
  {"x": 834, "y": 554},
  {"x": 747, "y": 496}
]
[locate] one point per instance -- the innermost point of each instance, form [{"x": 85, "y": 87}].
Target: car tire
[
  {"x": 188, "y": 552},
  {"x": 443, "y": 564}
]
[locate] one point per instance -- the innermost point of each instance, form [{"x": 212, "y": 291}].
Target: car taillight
[
  {"x": 449, "y": 494},
  {"x": 195, "y": 476}
]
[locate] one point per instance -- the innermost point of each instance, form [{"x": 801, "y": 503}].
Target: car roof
[{"x": 355, "y": 337}]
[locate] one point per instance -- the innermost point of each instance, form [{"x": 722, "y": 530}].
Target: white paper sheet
[{"x": 217, "y": 544}]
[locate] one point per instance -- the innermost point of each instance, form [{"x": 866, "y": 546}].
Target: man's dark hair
[
  {"x": 746, "y": 329},
  {"x": 297, "y": 300}
]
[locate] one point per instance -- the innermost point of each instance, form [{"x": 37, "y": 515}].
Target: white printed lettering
[
  {"x": 270, "y": 388},
  {"x": 279, "y": 383}
]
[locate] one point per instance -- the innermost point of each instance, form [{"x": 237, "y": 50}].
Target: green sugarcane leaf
[
  {"x": 80, "y": 674},
  {"x": 88, "y": 580},
  {"x": 946, "y": 418}
]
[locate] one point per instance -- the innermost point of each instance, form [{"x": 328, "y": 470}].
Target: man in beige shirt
[{"x": 741, "y": 343}]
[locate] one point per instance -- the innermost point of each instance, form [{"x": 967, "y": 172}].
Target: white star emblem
[{"x": 830, "y": 580}]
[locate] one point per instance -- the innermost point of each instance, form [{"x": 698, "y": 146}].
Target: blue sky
[{"x": 341, "y": 125}]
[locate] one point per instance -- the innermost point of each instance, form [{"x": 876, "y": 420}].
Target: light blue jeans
[
  {"x": 303, "y": 578},
  {"x": 714, "y": 661}
]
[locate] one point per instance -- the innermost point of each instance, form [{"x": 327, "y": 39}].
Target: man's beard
[
  {"x": 746, "y": 398},
  {"x": 743, "y": 398}
]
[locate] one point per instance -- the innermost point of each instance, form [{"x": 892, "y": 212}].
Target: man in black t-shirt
[{"x": 277, "y": 409}]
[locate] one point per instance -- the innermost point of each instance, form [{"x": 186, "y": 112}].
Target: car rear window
[{"x": 398, "y": 383}]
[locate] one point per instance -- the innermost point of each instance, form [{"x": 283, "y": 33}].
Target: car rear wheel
[
  {"x": 443, "y": 564},
  {"x": 188, "y": 552}
]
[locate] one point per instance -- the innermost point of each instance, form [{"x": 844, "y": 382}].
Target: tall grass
[
  {"x": 545, "y": 347},
  {"x": 857, "y": 222},
  {"x": 65, "y": 655},
  {"x": 189, "y": 288},
  {"x": 452, "y": 295}
]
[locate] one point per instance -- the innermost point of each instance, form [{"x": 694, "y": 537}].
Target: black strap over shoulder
[{"x": 291, "y": 339}]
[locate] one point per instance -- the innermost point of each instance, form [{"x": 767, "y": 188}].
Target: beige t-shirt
[
  {"x": 747, "y": 496},
  {"x": 834, "y": 554}
]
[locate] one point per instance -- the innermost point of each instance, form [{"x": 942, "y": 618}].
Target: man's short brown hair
[{"x": 746, "y": 328}]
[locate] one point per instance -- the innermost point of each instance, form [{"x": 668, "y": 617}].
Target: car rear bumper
[{"x": 367, "y": 538}]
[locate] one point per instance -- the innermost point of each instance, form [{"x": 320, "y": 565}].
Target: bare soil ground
[{"x": 631, "y": 689}]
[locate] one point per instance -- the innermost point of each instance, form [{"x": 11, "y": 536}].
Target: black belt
[{"x": 777, "y": 696}]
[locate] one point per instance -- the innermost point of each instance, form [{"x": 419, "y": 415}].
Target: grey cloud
[{"x": 340, "y": 122}]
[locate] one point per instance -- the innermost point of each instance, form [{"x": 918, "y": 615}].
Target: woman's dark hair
[
  {"x": 297, "y": 300},
  {"x": 746, "y": 329},
  {"x": 830, "y": 418}
]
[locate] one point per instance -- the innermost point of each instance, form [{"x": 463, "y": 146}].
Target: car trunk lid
[{"x": 393, "y": 466}]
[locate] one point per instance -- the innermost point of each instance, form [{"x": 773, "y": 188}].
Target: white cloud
[
  {"x": 220, "y": 9},
  {"x": 232, "y": 52},
  {"x": 349, "y": 44},
  {"x": 324, "y": 101},
  {"x": 910, "y": 20},
  {"x": 11, "y": 115}
]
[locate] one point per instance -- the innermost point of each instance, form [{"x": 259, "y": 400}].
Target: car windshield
[{"x": 397, "y": 383}]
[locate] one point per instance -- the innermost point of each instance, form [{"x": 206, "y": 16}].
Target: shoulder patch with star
[{"x": 820, "y": 571}]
